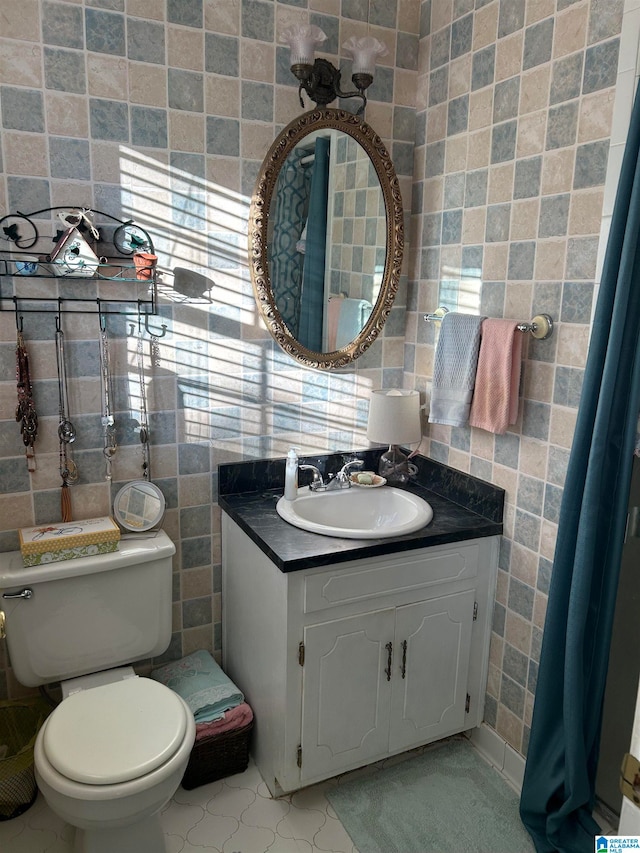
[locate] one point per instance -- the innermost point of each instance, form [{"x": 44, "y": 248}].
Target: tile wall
[
  {"x": 514, "y": 111},
  {"x": 162, "y": 112}
]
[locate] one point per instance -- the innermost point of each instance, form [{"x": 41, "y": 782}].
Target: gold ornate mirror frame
[{"x": 359, "y": 130}]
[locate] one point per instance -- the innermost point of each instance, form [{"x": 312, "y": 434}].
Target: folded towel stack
[{"x": 205, "y": 688}]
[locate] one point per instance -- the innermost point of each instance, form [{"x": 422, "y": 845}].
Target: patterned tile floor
[{"x": 234, "y": 815}]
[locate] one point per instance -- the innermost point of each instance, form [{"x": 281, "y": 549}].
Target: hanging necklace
[
  {"x": 144, "y": 418},
  {"x": 26, "y": 414},
  {"x": 108, "y": 422},
  {"x": 66, "y": 430}
]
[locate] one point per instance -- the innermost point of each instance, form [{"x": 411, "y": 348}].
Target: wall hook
[
  {"x": 150, "y": 332},
  {"x": 20, "y": 319}
]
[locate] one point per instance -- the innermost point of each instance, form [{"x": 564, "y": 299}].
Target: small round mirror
[{"x": 139, "y": 506}]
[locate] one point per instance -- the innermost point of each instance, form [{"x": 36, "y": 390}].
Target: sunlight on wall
[{"x": 234, "y": 388}]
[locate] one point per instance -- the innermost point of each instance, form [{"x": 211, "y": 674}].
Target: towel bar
[{"x": 541, "y": 327}]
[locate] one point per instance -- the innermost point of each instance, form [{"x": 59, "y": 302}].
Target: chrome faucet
[{"x": 340, "y": 481}]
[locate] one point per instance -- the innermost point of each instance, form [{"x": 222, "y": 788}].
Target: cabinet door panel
[
  {"x": 346, "y": 696},
  {"x": 430, "y": 700}
]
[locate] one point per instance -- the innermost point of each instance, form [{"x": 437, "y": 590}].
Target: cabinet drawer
[{"x": 380, "y": 576}]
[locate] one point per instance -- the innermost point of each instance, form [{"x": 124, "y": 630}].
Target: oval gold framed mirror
[{"x": 326, "y": 238}]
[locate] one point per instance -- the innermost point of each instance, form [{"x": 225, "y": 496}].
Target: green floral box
[{"x": 51, "y": 543}]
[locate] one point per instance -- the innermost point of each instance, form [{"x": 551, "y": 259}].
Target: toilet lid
[{"x": 116, "y": 732}]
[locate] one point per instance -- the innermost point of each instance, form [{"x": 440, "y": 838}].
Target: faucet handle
[
  {"x": 353, "y": 463},
  {"x": 316, "y": 479},
  {"x": 342, "y": 476}
]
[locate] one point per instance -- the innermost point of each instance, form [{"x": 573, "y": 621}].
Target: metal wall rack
[{"x": 21, "y": 230}]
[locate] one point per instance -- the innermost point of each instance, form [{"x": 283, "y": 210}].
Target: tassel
[{"x": 65, "y": 503}]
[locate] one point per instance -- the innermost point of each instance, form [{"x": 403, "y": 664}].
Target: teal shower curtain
[
  {"x": 312, "y": 302},
  {"x": 558, "y": 791}
]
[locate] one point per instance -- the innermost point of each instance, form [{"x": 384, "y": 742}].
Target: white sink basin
[{"x": 357, "y": 513}]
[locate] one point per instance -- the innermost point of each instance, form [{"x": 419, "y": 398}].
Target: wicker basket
[
  {"x": 218, "y": 756},
  {"x": 19, "y": 725}
]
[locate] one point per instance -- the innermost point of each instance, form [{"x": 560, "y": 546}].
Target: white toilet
[{"x": 112, "y": 754}]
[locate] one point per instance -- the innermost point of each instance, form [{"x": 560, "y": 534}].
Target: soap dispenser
[{"x": 291, "y": 475}]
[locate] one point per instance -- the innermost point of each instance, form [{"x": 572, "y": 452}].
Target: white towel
[
  {"x": 454, "y": 369},
  {"x": 354, "y": 314}
]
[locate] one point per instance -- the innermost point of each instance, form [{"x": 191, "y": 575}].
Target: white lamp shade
[
  {"x": 364, "y": 52},
  {"x": 302, "y": 40},
  {"x": 394, "y": 417}
]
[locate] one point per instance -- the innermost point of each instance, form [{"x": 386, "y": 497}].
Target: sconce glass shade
[
  {"x": 302, "y": 40},
  {"x": 394, "y": 417},
  {"x": 364, "y": 52}
]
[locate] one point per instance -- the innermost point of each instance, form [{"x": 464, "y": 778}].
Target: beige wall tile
[
  {"x": 437, "y": 123},
  {"x": 518, "y": 632},
  {"x": 460, "y": 76},
  {"x": 563, "y": 424},
  {"x": 517, "y": 301},
  {"x": 26, "y": 154},
  {"x": 550, "y": 259},
  {"x": 524, "y": 564},
  {"x": 456, "y": 154},
  {"x": 539, "y": 9},
  {"x": 509, "y": 727},
  {"x": 485, "y": 26},
  {"x": 222, "y": 16},
  {"x": 596, "y": 115},
  {"x": 533, "y": 457},
  {"x": 20, "y": 64},
  {"x": 20, "y": 20},
  {"x": 539, "y": 383},
  {"x": 480, "y": 108},
  {"x": 408, "y": 14},
  {"x": 573, "y": 344},
  {"x": 495, "y": 262},
  {"x": 524, "y": 219},
  {"x": 67, "y": 115},
  {"x": 501, "y": 183},
  {"x": 257, "y": 60},
  {"x": 532, "y": 130},
  {"x": 107, "y": 76},
  {"x": 571, "y": 29},
  {"x": 534, "y": 90},
  {"x": 150, "y": 9},
  {"x": 482, "y": 444},
  {"x": 147, "y": 84},
  {"x": 404, "y": 88},
  {"x": 479, "y": 150},
  {"x": 585, "y": 212},
  {"x": 185, "y": 48},
  {"x": 557, "y": 171},
  {"x": 186, "y": 131},
  {"x": 509, "y": 56},
  {"x": 473, "y": 225},
  {"x": 441, "y": 14}
]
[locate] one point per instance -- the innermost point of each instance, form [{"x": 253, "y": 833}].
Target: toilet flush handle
[{"x": 24, "y": 593}]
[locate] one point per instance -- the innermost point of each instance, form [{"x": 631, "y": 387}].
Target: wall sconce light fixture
[{"x": 318, "y": 77}]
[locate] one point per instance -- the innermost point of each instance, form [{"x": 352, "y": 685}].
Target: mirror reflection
[{"x": 326, "y": 240}]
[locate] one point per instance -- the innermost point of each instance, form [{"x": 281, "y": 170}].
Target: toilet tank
[{"x": 87, "y": 614}]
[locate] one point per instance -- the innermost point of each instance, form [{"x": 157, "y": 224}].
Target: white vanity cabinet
[{"x": 349, "y": 663}]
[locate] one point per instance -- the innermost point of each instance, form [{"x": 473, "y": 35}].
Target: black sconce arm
[{"x": 321, "y": 82}]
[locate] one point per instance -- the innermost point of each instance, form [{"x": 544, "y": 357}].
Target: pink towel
[
  {"x": 335, "y": 303},
  {"x": 495, "y": 398},
  {"x": 234, "y": 718}
]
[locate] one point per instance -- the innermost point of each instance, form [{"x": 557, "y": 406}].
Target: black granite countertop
[{"x": 464, "y": 507}]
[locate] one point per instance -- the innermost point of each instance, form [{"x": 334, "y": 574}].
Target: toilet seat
[{"x": 115, "y": 732}]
